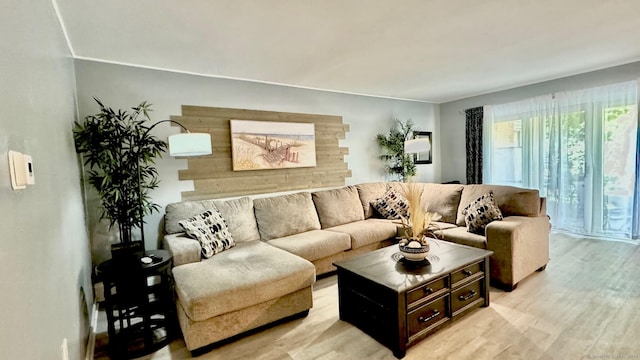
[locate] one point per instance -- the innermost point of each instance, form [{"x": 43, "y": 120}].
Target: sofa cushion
[
  {"x": 313, "y": 245},
  {"x": 251, "y": 273},
  {"x": 392, "y": 204},
  {"x": 179, "y": 211},
  {"x": 443, "y": 199},
  {"x": 338, "y": 206},
  {"x": 238, "y": 213},
  {"x": 284, "y": 215},
  {"x": 210, "y": 229},
  {"x": 480, "y": 213},
  {"x": 460, "y": 235},
  {"x": 444, "y": 225},
  {"x": 367, "y": 193},
  {"x": 511, "y": 200},
  {"x": 367, "y": 232}
]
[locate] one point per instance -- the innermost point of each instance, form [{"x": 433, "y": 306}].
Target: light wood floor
[{"x": 585, "y": 305}]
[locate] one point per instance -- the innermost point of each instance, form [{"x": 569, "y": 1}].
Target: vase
[{"x": 413, "y": 250}]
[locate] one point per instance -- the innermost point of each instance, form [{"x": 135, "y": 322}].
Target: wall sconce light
[
  {"x": 420, "y": 146},
  {"x": 417, "y": 146}
]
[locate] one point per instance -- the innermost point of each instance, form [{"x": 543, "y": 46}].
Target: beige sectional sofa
[{"x": 284, "y": 241}]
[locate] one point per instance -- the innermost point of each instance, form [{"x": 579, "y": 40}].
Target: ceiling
[{"x": 426, "y": 50}]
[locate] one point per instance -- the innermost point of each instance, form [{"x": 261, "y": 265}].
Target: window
[
  {"x": 508, "y": 151},
  {"x": 578, "y": 148}
]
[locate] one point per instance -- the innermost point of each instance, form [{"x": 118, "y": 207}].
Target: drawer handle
[
  {"x": 471, "y": 294},
  {"x": 428, "y": 290},
  {"x": 467, "y": 272},
  {"x": 434, "y": 315}
]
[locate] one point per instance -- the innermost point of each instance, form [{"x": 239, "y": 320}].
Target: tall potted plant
[
  {"x": 119, "y": 153},
  {"x": 398, "y": 162}
]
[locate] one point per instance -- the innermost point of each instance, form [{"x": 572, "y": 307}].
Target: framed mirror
[{"x": 425, "y": 156}]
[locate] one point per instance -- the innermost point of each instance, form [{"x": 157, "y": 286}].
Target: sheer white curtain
[{"x": 579, "y": 148}]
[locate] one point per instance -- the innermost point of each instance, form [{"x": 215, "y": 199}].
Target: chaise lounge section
[{"x": 237, "y": 290}]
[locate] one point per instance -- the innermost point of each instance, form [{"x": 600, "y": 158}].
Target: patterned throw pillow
[
  {"x": 481, "y": 212},
  {"x": 210, "y": 229},
  {"x": 392, "y": 205}
]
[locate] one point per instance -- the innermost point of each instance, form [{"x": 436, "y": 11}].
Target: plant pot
[
  {"x": 132, "y": 249},
  {"x": 413, "y": 250}
]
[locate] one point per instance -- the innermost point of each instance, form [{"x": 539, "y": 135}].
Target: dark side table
[{"x": 139, "y": 303}]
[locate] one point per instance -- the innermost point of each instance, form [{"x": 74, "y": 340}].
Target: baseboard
[{"x": 91, "y": 343}]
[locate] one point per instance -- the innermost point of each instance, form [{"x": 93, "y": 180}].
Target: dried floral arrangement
[{"x": 419, "y": 226}]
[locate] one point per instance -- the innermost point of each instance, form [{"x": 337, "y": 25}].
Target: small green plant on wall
[{"x": 398, "y": 163}]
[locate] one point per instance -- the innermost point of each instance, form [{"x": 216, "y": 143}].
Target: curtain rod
[{"x": 464, "y": 111}]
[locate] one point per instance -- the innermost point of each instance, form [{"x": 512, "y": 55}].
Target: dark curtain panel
[{"x": 474, "y": 145}]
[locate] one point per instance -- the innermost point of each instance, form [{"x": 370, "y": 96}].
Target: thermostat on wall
[{"x": 21, "y": 170}]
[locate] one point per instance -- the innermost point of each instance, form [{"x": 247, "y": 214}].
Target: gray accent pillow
[
  {"x": 210, "y": 229},
  {"x": 285, "y": 215},
  {"x": 481, "y": 212},
  {"x": 511, "y": 200},
  {"x": 392, "y": 205}
]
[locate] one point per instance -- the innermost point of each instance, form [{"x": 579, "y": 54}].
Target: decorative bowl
[{"x": 413, "y": 250}]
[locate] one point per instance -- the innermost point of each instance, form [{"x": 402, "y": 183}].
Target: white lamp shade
[
  {"x": 190, "y": 144},
  {"x": 418, "y": 145}
]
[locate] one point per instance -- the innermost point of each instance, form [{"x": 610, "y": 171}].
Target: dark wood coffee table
[{"x": 399, "y": 303}]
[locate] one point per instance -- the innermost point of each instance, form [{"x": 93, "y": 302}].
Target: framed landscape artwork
[
  {"x": 259, "y": 145},
  {"x": 423, "y": 157}
]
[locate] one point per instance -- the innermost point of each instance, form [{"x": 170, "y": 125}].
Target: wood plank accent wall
[{"x": 214, "y": 177}]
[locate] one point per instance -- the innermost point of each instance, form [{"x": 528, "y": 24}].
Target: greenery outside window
[{"x": 578, "y": 148}]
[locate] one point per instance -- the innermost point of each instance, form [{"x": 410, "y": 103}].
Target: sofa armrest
[
  {"x": 543, "y": 206},
  {"x": 520, "y": 246},
  {"x": 183, "y": 249}
]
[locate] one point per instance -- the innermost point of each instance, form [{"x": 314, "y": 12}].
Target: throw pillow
[
  {"x": 392, "y": 205},
  {"x": 210, "y": 229},
  {"x": 481, "y": 212}
]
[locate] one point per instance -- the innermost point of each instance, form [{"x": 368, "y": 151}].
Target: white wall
[
  {"x": 452, "y": 119},
  {"x": 44, "y": 248},
  {"x": 124, "y": 86}
]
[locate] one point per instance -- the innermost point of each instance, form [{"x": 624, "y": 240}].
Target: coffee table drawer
[
  {"x": 466, "y": 272},
  {"x": 427, "y": 316},
  {"x": 467, "y": 295},
  {"x": 424, "y": 292}
]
